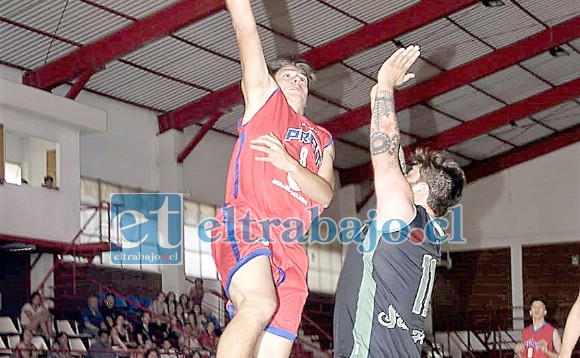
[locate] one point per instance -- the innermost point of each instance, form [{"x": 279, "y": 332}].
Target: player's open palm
[{"x": 393, "y": 72}]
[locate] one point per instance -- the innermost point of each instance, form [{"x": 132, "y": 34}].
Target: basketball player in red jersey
[
  {"x": 572, "y": 330},
  {"x": 540, "y": 339},
  {"x": 281, "y": 172}
]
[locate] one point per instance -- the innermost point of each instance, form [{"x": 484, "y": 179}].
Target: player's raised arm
[
  {"x": 257, "y": 84},
  {"x": 394, "y": 194},
  {"x": 572, "y": 330}
]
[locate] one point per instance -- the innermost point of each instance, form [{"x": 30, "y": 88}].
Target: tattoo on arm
[{"x": 385, "y": 136}]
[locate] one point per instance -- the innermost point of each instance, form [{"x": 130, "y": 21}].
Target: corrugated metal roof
[
  {"x": 445, "y": 44},
  {"x": 481, "y": 147},
  {"x": 361, "y": 137},
  {"x": 497, "y": 26},
  {"x": 423, "y": 122},
  {"x": 343, "y": 85},
  {"x": 349, "y": 156},
  {"x": 129, "y": 83},
  {"x": 524, "y": 132},
  {"x": 308, "y": 21},
  {"x": 176, "y": 58},
  {"x": 561, "y": 117},
  {"x": 465, "y": 103},
  {"x": 512, "y": 84},
  {"x": 371, "y": 11},
  {"x": 79, "y": 22},
  {"x": 556, "y": 70},
  {"x": 229, "y": 121},
  {"x": 461, "y": 160},
  {"x": 554, "y": 11},
  {"x": 136, "y": 8},
  {"x": 29, "y": 49},
  {"x": 369, "y": 61},
  {"x": 320, "y": 111}
]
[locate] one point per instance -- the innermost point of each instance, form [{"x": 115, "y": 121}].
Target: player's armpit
[{"x": 394, "y": 199}]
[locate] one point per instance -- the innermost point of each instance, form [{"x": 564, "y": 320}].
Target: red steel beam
[
  {"x": 464, "y": 74},
  {"x": 136, "y": 35},
  {"x": 523, "y": 154},
  {"x": 486, "y": 123},
  {"x": 480, "y": 125},
  {"x": 369, "y": 36},
  {"x": 198, "y": 137},
  {"x": 79, "y": 84}
]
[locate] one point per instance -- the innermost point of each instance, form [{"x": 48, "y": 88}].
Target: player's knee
[{"x": 260, "y": 309}]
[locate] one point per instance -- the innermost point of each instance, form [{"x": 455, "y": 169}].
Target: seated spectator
[
  {"x": 159, "y": 306},
  {"x": 120, "y": 334},
  {"x": 184, "y": 303},
  {"x": 92, "y": 320},
  {"x": 209, "y": 338},
  {"x": 102, "y": 348},
  {"x": 180, "y": 316},
  {"x": 196, "y": 354},
  {"x": 36, "y": 316},
  {"x": 48, "y": 182},
  {"x": 152, "y": 353},
  {"x": 167, "y": 350},
  {"x": 171, "y": 303},
  {"x": 60, "y": 346},
  {"x": 144, "y": 332},
  {"x": 25, "y": 348},
  {"x": 189, "y": 340},
  {"x": 109, "y": 311}
]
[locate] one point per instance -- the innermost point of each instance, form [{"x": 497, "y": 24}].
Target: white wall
[
  {"x": 126, "y": 153},
  {"x": 206, "y": 168},
  {"x": 37, "y": 212},
  {"x": 537, "y": 202}
]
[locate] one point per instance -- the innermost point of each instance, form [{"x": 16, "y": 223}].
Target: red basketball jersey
[
  {"x": 259, "y": 188},
  {"x": 531, "y": 340}
]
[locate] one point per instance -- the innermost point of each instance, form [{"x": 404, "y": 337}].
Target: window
[
  {"x": 36, "y": 158},
  {"x": 12, "y": 173}
]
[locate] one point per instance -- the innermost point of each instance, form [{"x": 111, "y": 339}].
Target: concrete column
[
  {"x": 517, "y": 286},
  {"x": 170, "y": 172}
]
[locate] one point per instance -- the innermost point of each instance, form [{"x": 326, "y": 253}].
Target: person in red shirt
[
  {"x": 540, "y": 339},
  {"x": 280, "y": 176}
]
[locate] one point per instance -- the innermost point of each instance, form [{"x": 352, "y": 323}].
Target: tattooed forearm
[
  {"x": 384, "y": 106},
  {"x": 385, "y": 137}
]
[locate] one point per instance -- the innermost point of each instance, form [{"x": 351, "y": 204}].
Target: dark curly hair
[{"x": 444, "y": 177}]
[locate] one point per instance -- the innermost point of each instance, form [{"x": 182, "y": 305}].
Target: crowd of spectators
[{"x": 167, "y": 326}]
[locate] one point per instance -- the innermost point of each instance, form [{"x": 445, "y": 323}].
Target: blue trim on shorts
[
  {"x": 241, "y": 263},
  {"x": 231, "y": 232},
  {"x": 231, "y": 309},
  {"x": 282, "y": 276},
  {"x": 281, "y": 333}
]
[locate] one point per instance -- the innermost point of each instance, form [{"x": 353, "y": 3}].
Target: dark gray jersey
[{"x": 383, "y": 295}]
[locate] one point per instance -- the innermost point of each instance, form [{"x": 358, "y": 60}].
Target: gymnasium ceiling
[{"x": 489, "y": 90}]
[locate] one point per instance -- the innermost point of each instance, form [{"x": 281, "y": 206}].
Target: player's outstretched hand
[
  {"x": 275, "y": 150},
  {"x": 393, "y": 72}
]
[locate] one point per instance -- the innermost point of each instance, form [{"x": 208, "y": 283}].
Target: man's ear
[{"x": 421, "y": 193}]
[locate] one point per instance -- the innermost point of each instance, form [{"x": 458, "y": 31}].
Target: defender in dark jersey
[{"x": 384, "y": 290}]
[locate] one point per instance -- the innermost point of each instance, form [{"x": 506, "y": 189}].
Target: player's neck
[
  {"x": 538, "y": 323},
  {"x": 297, "y": 107}
]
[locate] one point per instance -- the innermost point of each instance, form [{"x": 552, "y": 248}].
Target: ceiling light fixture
[{"x": 492, "y": 3}]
